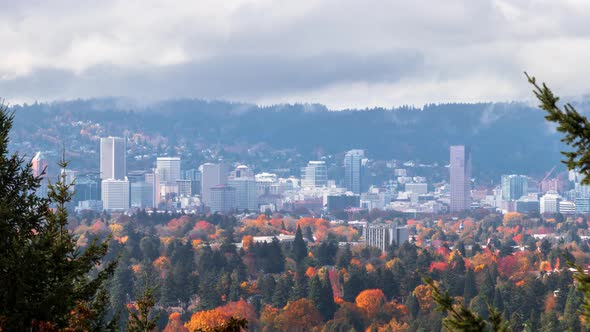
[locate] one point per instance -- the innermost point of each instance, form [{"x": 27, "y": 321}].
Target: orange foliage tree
[
  {"x": 300, "y": 315},
  {"x": 370, "y": 301},
  {"x": 175, "y": 324},
  {"x": 208, "y": 319}
]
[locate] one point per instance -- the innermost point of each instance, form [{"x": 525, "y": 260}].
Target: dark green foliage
[
  {"x": 142, "y": 319},
  {"x": 299, "y": 247},
  {"x": 43, "y": 275},
  {"x": 470, "y": 289},
  {"x": 461, "y": 318},
  {"x": 326, "y": 252},
  {"x": 282, "y": 290},
  {"x": 574, "y": 125},
  {"x": 356, "y": 283},
  {"x": 344, "y": 257},
  {"x": 498, "y": 301},
  {"x": 516, "y": 324}
]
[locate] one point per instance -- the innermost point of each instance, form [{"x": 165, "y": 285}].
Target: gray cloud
[{"x": 342, "y": 53}]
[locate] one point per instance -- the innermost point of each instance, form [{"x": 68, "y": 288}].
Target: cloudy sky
[{"x": 341, "y": 53}]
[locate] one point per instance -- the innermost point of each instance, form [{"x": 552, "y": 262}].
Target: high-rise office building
[
  {"x": 113, "y": 158},
  {"x": 142, "y": 195},
  {"x": 353, "y": 170},
  {"x": 87, "y": 188},
  {"x": 115, "y": 195},
  {"x": 314, "y": 175},
  {"x": 460, "y": 174},
  {"x": 223, "y": 198},
  {"x": 582, "y": 205},
  {"x": 212, "y": 175},
  {"x": 185, "y": 188},
  {"x": 153, "y": 178},
  {"x": 39, "y": 164},
  {"x": 549, "y": 203},
  {"x": 194, "y": 176},
  {"x": 169, "y": 170},
  {"x": 243, "y": 180},
  {"x": 514, "y": 187}
]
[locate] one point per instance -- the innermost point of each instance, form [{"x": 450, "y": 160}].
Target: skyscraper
[
  {"x": 169, "y": 170},
  {"x": 242, "y": 179},
  {"x": 212, "y": 175},
  {"x": 315, "y": 174},
  {"x": 460, "y": 172},
  {"x": 222, "y": 198},
  {"x": 514, "y": 186},
  {"x": 113, "y": 158},
  {"x": 115, "y": 195},
  {"x": 353, "y": 170},
  {"x": 153, "y": 178},
  {"x": 39, "y": 164}
]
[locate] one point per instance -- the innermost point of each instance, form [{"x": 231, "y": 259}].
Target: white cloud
[{"x": 342, "y": 53}]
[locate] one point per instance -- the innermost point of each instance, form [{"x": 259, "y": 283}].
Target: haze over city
[{"x": 321, "y": 165}]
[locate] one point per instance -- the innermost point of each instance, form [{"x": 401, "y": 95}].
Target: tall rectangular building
[
  {"x": 314, "y": 175},
  {"x": 39, "y": 164},
  {"x": 353, "y": 170},
  {"x": 113, "y": 158},
  {"x": 153, "y": 178},
  {"x": 212, "y": 175},
  {"x": 223, "y": 198},
  {"x": 460, "y": 174},
  {"x": 514, "y": 187},
  {"x": 142, "y": 195},
  {"x": 115, "y": 195},
  {"x": 169, "y": 170},
  {"x": 244, "y": 182}
]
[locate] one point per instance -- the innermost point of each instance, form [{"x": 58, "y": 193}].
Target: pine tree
[
  {"x": 516, "y": 323},
  {"x": 344, "y": 257},
  {"x": 299, "y": 246},
  {"x": 281, "y": 295},
  {"x": 498, "y": 301},
  {"x": 329, "y": 306},
  {"x": 43, "y": 275},
  {"x": 470, "y": 289},
  {"x": 315, "y": 293},
  {"x": 143, "y": 319}
]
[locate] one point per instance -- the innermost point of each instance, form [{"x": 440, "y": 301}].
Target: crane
[{"x": 546, "y": 176}]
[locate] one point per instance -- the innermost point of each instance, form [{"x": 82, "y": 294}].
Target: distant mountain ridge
[{"x": 505, "y": 137}]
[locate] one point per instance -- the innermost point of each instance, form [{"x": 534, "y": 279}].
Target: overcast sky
[{"x": 341, "y": 53}]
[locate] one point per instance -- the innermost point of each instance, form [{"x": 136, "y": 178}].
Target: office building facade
[
  {"x": 223, "y": 199},
  {"x": 353, "y": 170},
  {"x": 113, "y": 158},
  {"x": 514, "y": 187},
  {"x": 384, "y": 236},
  {"x": 244, "y": 182},
  {"x": 212, "y": 175},
  {"x": 460, "y": 176},
  {"x": 314, "y": 175},
  {"x": 115, "y": 195}
]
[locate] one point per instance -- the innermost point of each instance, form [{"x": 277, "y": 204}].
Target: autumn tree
[
  {"x": 44, "y": 276},
  {"x": 175, "y": 324},
  {"x": 300, "y": 315},
  {"x": 141, "y": 317},
  {"x": 370, "y": 301}
]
